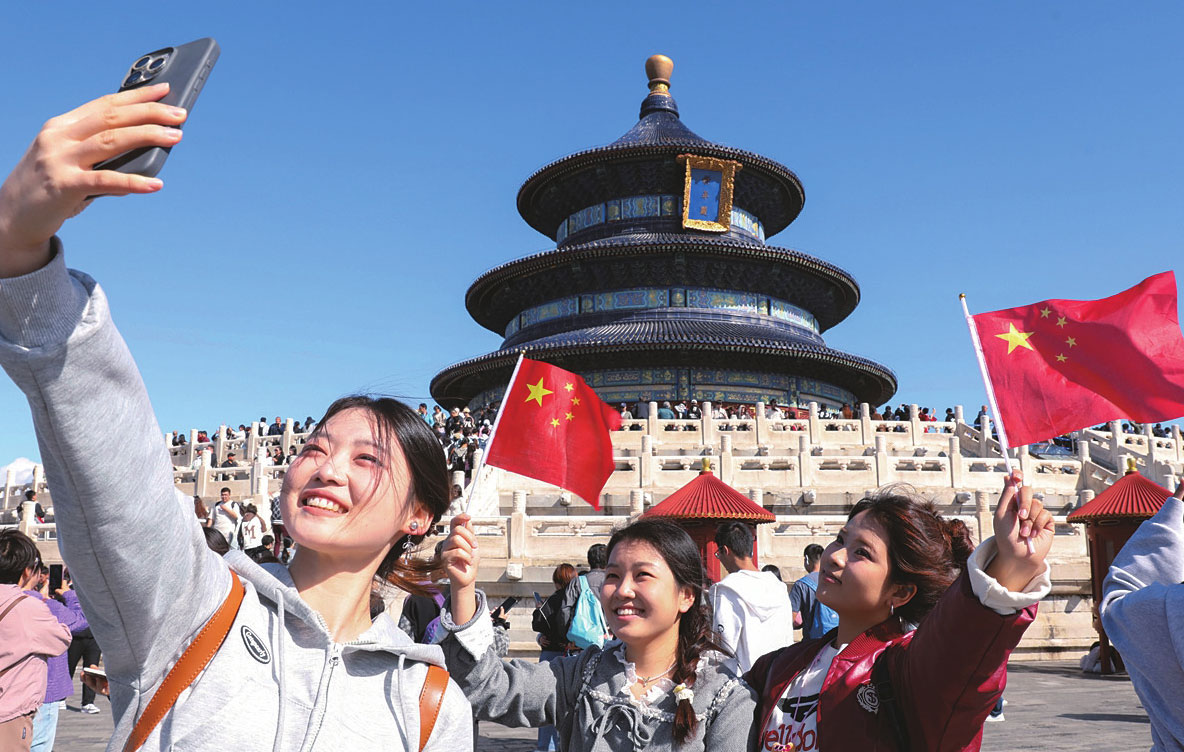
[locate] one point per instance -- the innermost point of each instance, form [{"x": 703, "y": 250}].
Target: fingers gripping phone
[{"x": 186, "y": 69}]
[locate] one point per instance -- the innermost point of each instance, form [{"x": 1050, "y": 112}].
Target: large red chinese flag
[
  {"x": 554, "y": 428},
  {"x": 1061, "y": 365}
]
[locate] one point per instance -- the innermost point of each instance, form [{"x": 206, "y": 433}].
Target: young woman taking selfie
[
  {"x": 873, "y": 683},
  {"x": 302, "y": 666},
  {"x": 661, "y": 685}
]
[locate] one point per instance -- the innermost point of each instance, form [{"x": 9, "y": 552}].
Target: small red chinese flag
[
  {"x": 554, "y": 428},
  {"x": 1061, "y": 365}
]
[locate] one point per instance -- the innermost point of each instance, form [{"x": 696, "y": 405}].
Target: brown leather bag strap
[
  {"x": 431, "y": 699},
  {"x": 193, "y": 661}
]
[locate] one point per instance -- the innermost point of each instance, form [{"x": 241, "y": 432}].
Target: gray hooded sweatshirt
[
  {"x": 1143, "y": 613},
  {"x": 148, "y": 583}
]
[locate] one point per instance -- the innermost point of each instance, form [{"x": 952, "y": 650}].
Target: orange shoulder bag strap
[
  {"x": 193, "y": 661},
  {"x": 431, "y": 699}
]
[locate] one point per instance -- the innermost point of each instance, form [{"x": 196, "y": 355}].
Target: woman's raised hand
[
  {"x": 460, "y": 562},
  {"x": 1020, "y": 519},
  {"x": 54, "y": 180}
]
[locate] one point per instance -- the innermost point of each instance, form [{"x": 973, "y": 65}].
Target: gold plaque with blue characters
[{"x": 707, "y": 195}]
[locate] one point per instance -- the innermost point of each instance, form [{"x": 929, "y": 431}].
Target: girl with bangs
[
  {"x": 303, "y": 666},
  {"x": 874, "y": 682},
  {"x": 660, "y": 685}
]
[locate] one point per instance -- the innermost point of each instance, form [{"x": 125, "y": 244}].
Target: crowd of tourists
[
  {"x": 244, "y": 431},
  {"x": 923, "y": 622}
]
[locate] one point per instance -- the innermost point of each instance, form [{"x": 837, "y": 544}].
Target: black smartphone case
[{"x": 186, "y": 69}]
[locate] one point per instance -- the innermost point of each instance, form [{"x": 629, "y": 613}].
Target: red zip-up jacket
[{"x": 946, "y": 676}]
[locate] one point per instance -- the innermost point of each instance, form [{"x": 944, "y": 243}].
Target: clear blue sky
[{"x": 352, "y": 167}]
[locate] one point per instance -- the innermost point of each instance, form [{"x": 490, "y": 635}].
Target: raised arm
[
  {"x": 959, "y": 652},
  {"x": 138, "y": 558},
  {"x": 513, "y": 693}
]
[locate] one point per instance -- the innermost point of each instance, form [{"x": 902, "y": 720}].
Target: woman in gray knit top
[{"x": 660, "y": 686}]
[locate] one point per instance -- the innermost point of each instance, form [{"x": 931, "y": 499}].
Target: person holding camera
[{"x": 304, "y": 665}]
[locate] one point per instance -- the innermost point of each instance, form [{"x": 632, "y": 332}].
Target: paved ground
[{"x": 1051, "y": 706}]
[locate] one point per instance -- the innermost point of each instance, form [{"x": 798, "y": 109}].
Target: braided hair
[{"x": 695, "y": 635}]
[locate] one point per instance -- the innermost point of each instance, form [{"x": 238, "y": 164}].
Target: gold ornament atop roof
[{"x": 659, "y": 68}]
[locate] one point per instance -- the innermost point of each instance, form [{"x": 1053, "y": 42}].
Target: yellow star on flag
[
  {"x": 537, "y": 392},
  {"x": 1044, "y": 312},
  {"x": 1061, "y": 321},
  {"x": 1071, "y": 342},
  {"x": 1016, "y": 338},
  {"x": 554, "y": 422},
  {"x": 570, "y": 416},
  {"x": 1061, "y": 358},
  {"x": 569, "y": 386},
  {"x": 575, "y": 400}
]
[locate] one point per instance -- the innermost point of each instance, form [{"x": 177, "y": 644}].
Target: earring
[
  {"x": 891, "y": 610},
  {"x": 414, "y": 526}
]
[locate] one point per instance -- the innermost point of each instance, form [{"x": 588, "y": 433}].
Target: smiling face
[
  {"x": 345, "y": 495},
  {"x": 854, "y": 575},
  {"x": 641, "y": 598}
]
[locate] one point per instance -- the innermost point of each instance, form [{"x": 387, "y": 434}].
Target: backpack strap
[
  {"x": 192, "y": 662},
  {"x": 431, "y": 699},
  {"x": 882, "y": 681}
]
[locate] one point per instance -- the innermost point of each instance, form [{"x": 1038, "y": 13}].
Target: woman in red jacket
[{"x": 873, "y": 683}]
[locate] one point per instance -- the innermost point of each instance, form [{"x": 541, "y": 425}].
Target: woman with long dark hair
[
  {"x": 304, "y": 666},
  {"x": 660, "y": 685},
  {"x": 875, "y": 683}
]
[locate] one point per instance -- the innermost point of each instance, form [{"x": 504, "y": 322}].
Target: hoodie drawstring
[
  {"x": 279, "y": 670},
  {"x": 397, "y": 704}
]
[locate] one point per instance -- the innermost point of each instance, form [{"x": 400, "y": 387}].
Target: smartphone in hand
[
  {"x": 507, "y": 604},
  {"x": 186, "y": 69}
]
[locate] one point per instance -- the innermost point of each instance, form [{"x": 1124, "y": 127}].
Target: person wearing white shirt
[{"x": 752, "y": 612}]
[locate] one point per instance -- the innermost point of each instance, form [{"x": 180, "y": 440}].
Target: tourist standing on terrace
[
  {"x": 304, "y": 664},
  {"x": 1142, "y": 611},
  {"x": 751, "y": 609},
  {"x": 872, "y": 681},
  {"x": 662, "y": 685},
  {"x": 815, "y": 619}
]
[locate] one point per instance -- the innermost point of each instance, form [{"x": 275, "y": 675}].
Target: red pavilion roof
[
  {"x": 1131, "y": 496},
  {"x": 709, "y": 498}
]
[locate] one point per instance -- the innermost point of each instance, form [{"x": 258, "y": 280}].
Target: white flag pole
[
  {"x": 492, "y": 434},
  {"x": 994, "y": 403}
]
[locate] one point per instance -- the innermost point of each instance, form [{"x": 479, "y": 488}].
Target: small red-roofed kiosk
[
  {"x": 1110, "y": 520},
  {"x": 701, "y": 505}
]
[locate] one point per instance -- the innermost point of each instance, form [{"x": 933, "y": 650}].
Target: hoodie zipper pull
[{"x": 335, "y": 655}]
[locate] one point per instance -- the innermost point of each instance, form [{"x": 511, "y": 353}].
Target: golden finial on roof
[
  {"x": 1132, "y": 465},
  {"x": 706, "y": 460},
  {"x": 659, "y": 68}
]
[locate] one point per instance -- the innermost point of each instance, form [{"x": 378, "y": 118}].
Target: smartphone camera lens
[
  {"x": 156, "y": 64},
  {"x": 141, "y": 62},
  {"x": 133, "y": 79}
]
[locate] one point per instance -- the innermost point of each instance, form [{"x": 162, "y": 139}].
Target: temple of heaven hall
[{"x": 661, "y": 285}]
